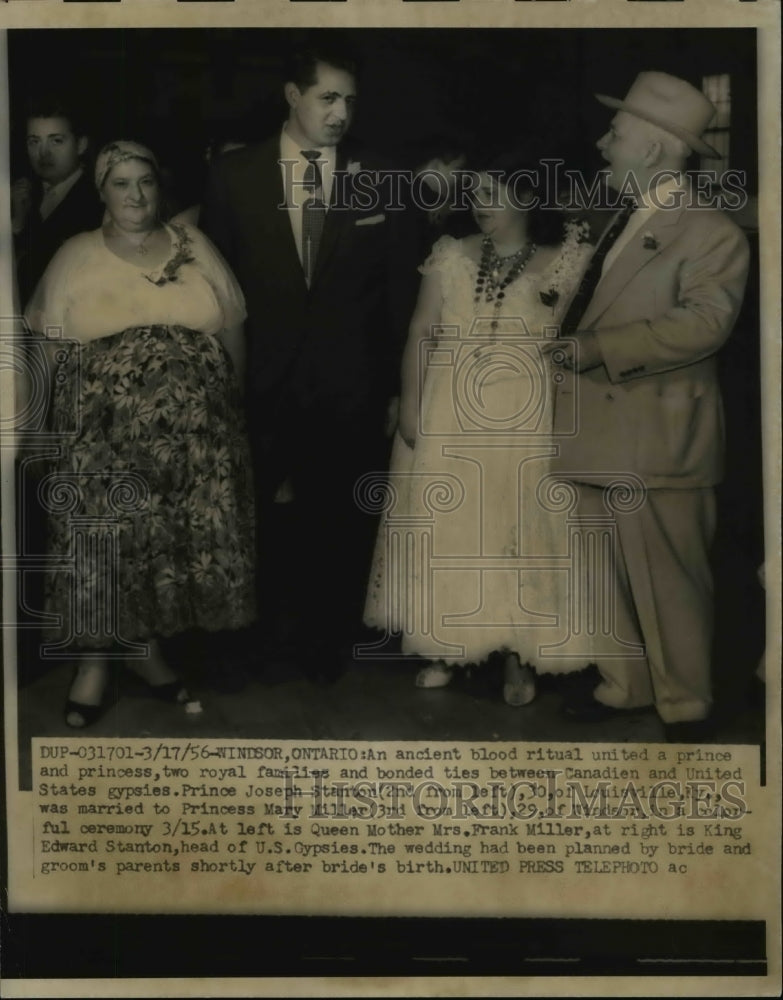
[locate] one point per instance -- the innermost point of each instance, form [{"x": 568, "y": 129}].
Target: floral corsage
[
  {"x": 569, "y": 266},
  {"x": 182, "y": 255}
]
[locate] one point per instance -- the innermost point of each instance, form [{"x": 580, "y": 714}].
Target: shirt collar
[
  {"x": 290, "y": 150},
  {"x": 64, "y": 185}
]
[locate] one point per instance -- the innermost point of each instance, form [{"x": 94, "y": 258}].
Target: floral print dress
[{"x": 149, "y": 499}]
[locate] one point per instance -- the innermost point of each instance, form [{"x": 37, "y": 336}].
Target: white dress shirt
[{"x": 293, "y": 166}]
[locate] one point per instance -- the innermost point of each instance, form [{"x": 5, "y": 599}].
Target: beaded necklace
[{"x": 488, "y": 283}]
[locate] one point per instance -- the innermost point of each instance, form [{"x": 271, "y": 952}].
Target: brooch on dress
[
  {"x": 649, "y": 242},
  {"x": 182, "y": 255}
]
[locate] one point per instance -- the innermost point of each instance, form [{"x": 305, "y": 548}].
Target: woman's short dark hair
[
  {"x": 445, "y": 147},
  {"x": 546, "y": 218}
]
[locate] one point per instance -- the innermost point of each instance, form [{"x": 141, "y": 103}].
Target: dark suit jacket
[
  {"x": 38, "y": 242},
  {"x": 334, "y": 347}
]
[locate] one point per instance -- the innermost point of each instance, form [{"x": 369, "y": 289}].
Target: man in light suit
[
  {"x": 328, "y": 268},
  {"x": 642, "y": 367}
]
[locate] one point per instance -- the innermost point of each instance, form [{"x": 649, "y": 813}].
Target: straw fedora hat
[{"x": 670, "y": 103}]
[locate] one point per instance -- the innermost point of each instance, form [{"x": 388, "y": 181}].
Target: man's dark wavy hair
[
  {"x": 56, "y": 106},
  {"x": 303, "y": 64}
]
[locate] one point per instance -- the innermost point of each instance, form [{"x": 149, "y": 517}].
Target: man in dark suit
[
  {"x": 46, "y": 210},
  {"x": 60, "y": 201},
  {"x": 327, "y": 261}
]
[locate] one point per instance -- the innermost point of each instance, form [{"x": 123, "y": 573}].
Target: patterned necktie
[
  {"x": 570, "y": 322},
  {"x": 313, "y": 213}
]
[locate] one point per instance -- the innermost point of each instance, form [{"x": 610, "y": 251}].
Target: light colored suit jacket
[{"x": 660, "y": 313}]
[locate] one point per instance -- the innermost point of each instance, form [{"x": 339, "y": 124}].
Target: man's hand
[{"x": 577, "y": 357}]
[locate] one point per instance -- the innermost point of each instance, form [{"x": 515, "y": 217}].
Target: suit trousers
[
  {"x": 664, "y": 599},
  {"x": 314, "y": 551}
]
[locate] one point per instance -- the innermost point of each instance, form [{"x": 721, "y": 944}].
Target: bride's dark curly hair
[{"x": 528, "y": 178}]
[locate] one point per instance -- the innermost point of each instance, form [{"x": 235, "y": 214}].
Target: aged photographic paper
[{"x": 412, "y": 822}]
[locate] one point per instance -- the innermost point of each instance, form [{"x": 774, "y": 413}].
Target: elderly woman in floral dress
[{"x": 150, "y": 496}]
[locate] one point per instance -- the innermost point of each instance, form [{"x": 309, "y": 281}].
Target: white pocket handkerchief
[{"x": 371, "y": 220}]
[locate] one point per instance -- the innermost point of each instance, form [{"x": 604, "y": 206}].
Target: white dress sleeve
[
  {"x": 219, "y": 275},
  {"x": 48, "y": 306},
  {"x": 441, "y": 256}
]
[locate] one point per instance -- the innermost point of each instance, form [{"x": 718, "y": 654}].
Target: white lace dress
[{"x": 472, "y": 554}]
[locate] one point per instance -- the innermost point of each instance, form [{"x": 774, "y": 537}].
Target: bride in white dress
[{"x": 471, "y": 557}]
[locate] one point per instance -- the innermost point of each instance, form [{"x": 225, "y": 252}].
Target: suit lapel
[
  {"x": 631, "y": 259},
  {"x": 272, "y": 202}
]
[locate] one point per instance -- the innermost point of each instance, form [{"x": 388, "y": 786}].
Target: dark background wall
[{"x": 177, "y": 89}]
